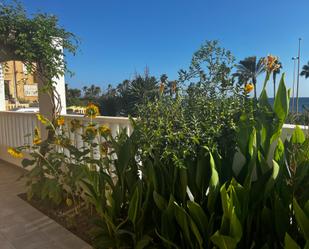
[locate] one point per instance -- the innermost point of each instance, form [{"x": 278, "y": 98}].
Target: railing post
[{"x": 2, "y": 90}]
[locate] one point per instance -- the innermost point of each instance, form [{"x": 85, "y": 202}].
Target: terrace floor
[{"x": 24, "y": 227}]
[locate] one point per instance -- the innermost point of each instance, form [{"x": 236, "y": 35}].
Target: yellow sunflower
[
  {"x": 249, "y": 87},
  {"x": 60, "y": 121},
  {"x": 90, "y": 131},
  {"x": 91, "y": 111},
  {"x": 15, "y": 153},
  {"x": 104, "y": 130}
]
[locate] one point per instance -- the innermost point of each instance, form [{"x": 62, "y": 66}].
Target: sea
[{"x": 303, "y": 104}]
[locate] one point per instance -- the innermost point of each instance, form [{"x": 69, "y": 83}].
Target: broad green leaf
[
  {"x": 279, "y": 152},
  {"x": 199, "y": 217},
  {"x": 167, "y": 241},
  {"x": 202, "y": 170},
  {"x": 289, "y": 243},
  {"x": 281, "y": 104},
  {"x": 223, "y": 241},
  {"x": 271, "y": 182},
  {"x": 134, "y": 205},
  {"x": 183, "y": 183},
  {"x": 213, "y": 185},
  {"x": 159, "y": 200},
  {"x": 302, "y": 219},
  {"x": 182, "y": 220},
  {"x": 298, "y": 136}
]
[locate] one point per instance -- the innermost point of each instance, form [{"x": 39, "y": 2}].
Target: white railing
[{"x": 16, "y": 129}]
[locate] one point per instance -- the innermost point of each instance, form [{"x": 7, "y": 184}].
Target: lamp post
[
  {"x": 293, "y": 89},
  {"x": 297, "y": 88}
]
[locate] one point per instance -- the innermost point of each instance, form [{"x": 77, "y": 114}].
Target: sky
[{"x": 121, "y": 37}]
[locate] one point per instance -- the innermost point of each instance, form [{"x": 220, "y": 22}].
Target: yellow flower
[
  {"x": 91, "y": 111},
  {"x": 42, "y": 119},
  {"x": 161, "y": 89},
  {"x": 90, "y": 131},
  {"x": 271, "y": 63},
  {"x": 37, "y": 141},
  {"x": 60, "y": 121},
  {"x": 104, "y": 130},
  {"x": 249, "y": 87},
  {"x": 15, "y": 153},
  {"x": 37, "y": 137}
]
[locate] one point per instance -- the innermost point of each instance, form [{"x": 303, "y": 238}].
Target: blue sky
[{"x": 121, "y": 37}]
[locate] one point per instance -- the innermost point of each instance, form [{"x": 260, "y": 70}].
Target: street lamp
[
  {"x": 293, "y": 89},
  {"x": 297, "y": 89}
]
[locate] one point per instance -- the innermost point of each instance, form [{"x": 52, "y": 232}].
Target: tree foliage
[{"x": 38, "y": 41}]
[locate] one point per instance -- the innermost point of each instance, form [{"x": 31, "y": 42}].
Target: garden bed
[{"x": 79, "y": 223}]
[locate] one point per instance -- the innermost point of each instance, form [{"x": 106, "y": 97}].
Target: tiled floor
[{"x": 24, "y": 227}]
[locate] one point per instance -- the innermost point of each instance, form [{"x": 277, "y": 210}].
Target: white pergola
[{"x": 45, "y": 101}]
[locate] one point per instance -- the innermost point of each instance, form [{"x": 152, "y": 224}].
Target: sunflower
[
  {"x": 15, "y": 153},
  {"x": 42, "y": 119},
  {"x": 91, "y": 111},
  {"x": 104, "y": 130},
  {"x": 60, "y": 121},
  {"x": 249, "y": 87},
  {"x": 90, "y": 132}
]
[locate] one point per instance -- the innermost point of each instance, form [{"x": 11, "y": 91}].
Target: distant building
[{"x": 20, "y": 86}]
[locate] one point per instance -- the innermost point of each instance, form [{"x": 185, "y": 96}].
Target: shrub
[{"x": 169, "y": 185}]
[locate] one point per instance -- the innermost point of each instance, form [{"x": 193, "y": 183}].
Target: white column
[
  {"x": 45, "y": 100},
  {"x": 2, "y": 90},
  {"x": 60, "y": 88},
  {"x": 60, "y": 82}
]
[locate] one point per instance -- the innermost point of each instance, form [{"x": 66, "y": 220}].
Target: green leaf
[
  {"x": 134, "y": 205},
  {"x": 289, "y": 243},
  {"x": 223, "y": 241},
  {"x": 298, "y": 136},
  {"x": 213, "y": 185},
  {"x": 159, "y": 200},
  {"x": 199, "y": 216},
  {"x": 143, "y": 242},
  {"x": 27, "y": 162},
  {"x": 271, "y": 182},
  {"x": 279, "y": 152},
  {"x": 281, "y": 104},
  {"x": 302, "y": 219},
  {"x": 182, "y": 220}
]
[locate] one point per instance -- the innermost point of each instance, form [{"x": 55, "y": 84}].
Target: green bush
[{"x": 174, "y": 184}]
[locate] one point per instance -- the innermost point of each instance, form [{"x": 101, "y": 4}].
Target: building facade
[{"x": 20, "y": 86}]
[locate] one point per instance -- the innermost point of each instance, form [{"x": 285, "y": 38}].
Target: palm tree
[
  {"x": 275, "y": 72},
  {"x": 249, "y": 69},
  {"x": 305, "y": 71}
]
